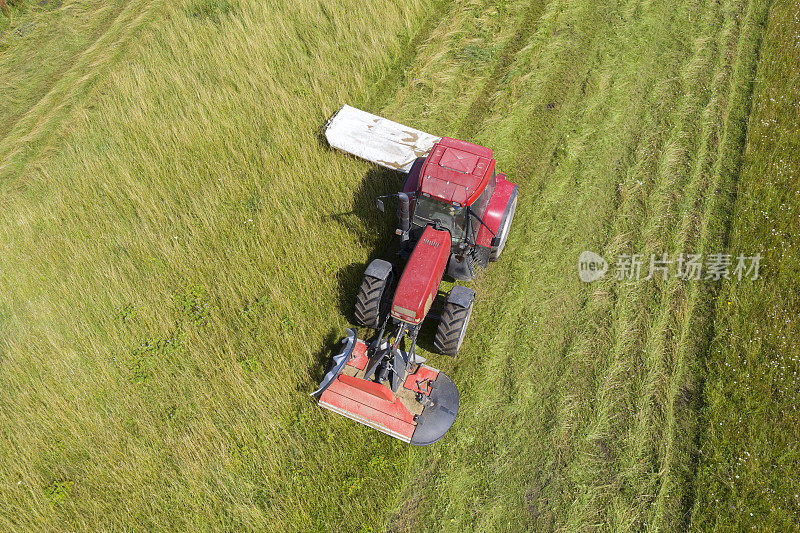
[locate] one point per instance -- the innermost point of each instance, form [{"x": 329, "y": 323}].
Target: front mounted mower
[{"x": 454, "y": 214}]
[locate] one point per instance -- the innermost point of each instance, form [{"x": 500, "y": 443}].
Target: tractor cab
[
  {"x": 440, "y": 215},
  {"x": 456, "y": 189},
  {"x": 452, "y": 189}
]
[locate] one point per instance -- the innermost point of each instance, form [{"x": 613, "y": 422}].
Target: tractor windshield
[{"x": 442, "y": 215}]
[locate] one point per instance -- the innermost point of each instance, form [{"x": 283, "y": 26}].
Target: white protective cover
[{"x": 377, "y": 139}]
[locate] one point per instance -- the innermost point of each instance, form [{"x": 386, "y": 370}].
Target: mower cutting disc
[
  {"x": 439, "y": 415},
  {"x": 339, "y": 361}
]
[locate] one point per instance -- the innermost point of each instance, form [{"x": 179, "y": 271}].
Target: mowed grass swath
[
  {"x": 179, "y": 251},
  {"x": 52, "y": 52},
  {"x": 580, "y": 403}
]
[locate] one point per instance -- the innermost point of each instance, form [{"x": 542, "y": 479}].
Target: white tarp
[{"x": 377, "y": 139}]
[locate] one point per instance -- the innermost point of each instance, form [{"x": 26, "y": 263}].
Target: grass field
[
  {"x": 180, "y": 251},
  {"x": 748, "y": 467}
]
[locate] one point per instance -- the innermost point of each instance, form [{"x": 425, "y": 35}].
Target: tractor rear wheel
[
  {"x": 372, "y": 301},
  {"x": 505, "y": 225},
  {"x": 452, "y": 328}
]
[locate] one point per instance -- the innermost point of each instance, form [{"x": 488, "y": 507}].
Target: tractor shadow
[
  {"x": 427, "y": 334},
  {"x": 373, "y": 230},
  {"x": 349, "y": 280}
]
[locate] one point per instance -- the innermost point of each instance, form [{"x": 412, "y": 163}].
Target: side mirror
[
  {"x": 495, "y": 241},
  {"x": 379, "y": 205}
]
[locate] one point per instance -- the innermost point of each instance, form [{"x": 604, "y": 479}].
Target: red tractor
[{"x": 454, "y": 215}]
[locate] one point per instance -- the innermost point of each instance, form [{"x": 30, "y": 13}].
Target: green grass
[
  {"x": 180, "y": 252},
  {"x": 41, "y": 43},
  {"x": 172, "y": 223},
  {"x": 749, "y": 454},
  {"x": 579, "y": 400}
]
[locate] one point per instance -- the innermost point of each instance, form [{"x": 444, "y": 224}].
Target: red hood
[{"x": 421, "y": 277}]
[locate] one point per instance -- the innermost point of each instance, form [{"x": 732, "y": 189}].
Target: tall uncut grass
[{"x": 171, "y": 257}]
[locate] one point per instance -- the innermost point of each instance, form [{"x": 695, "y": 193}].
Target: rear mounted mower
[
  {"x": 454, "y": 215},
  {"x": 389, "y": 389}
]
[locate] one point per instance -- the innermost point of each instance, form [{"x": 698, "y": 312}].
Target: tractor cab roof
[{"x": 456, "y": 171}]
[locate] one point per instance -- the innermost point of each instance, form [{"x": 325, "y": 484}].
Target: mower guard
[
  {"x": 420, "y": 413},
  {"x": 377, "y": 139},
  {"x": 339, "y": 361}
]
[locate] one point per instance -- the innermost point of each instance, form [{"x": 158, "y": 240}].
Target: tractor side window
[{"x": 483, "y": 200}]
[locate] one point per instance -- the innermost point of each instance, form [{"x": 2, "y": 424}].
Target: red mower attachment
[{"x": 420, "y": 412}]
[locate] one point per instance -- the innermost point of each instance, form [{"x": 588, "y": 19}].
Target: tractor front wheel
[
  {"x": 373, "y": 297},
  {"x": 452, "y": 327}
]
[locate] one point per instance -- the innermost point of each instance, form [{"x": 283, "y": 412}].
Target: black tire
[
  {"x": 505, "y": 226},
  {"x": 372, "y": 301},
  {"x": 452, "y": 328}
]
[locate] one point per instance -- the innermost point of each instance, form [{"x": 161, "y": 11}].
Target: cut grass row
[
  {"x": 43, "y": 47},
  {"x": 579, "y": 402}
]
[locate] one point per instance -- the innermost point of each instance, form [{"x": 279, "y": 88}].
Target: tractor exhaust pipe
[
  {"x": 404, "y": 215},
  {"x": 403, "y": 212}
]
